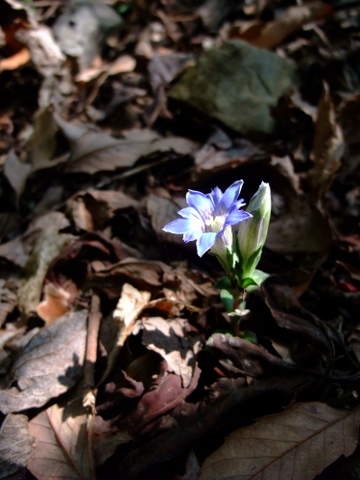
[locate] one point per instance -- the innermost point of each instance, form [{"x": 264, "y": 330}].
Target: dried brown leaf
[
  {"x": 16, "y": 172},
  {"x": 106, "y": 443},
  {"x": 289, "y": 22},
  {"x": 18, "y": 249},
  {"x": 55, "y": 304},
  {"x": 49, "y": 365},
  {"x": 162, "y": 211},
  {"x": 49, "y": 245},
  {"x": 145, "y": 275},
  {"x": 62, "y": 448},
  {"x": 124, "y": 63},
  {"x": 297, "y": 443},
  {"x": 91, "y": 210},
  {"x": 15, "y": 61},
  {"x": 175, "y": 341},
  {"x": 129, "y": 306},
  {"x": 166, "y": 394},
  {"x": 290, "y": 315},
  {"x": 8, "y": 300},
  {"x": 252, "y": 360},
  {"x": 301, "y": 229},
  {"x": 328, "y": 146},
  {"x": 93, "y": 151}
]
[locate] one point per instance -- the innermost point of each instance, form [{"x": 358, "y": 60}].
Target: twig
[{"x": 91, "y": 352}]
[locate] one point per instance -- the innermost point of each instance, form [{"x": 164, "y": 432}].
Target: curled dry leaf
[
  {"x": 47, "y": 248},
  {"x": 17, "y": 60},
  {"x": 124, "y": 63},
  {"x": 328, "y": 148},
  {"x": 49, "y": 365},
  {"x": 8, "y": 300},
  {"x": 290, "y": 315},
  {"x": 55, "y": 304},
  {"x": 16, "y": 172},
  {"x": 176, "y": 342},
  {"x": 129, "y": 306},
  {"x": 162, "y": 211},
  {"x": 301, "y": 229},
  {"x": 106, "y": 439},
  {"x": 91, "y": 210},
  {"x": 166, "y": 394},
  {"x": 252, "y": 360},
  {"x": 93, "y": 151},
  {"x": 297, "y": 443},
  {"x": 18, "y": 249},
  {"x": 287, "y": 23},
  {"x": 15, "y": 447},
  {"x": 62, "y": 446},
  {"x": 145, "y": 275}
]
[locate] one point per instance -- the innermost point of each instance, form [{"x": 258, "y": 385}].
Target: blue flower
[{"x": 209, "y": 217}]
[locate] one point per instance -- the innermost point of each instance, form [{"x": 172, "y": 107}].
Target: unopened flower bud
[{"x": 252, "y": 233}]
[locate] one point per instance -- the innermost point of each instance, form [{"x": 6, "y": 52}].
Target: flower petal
[
  {"x": 180, "y": 225},
  {"x": 190, "y": 212},
  {"x": 191, "y": 235},
  {"x": 240, "y": 203},
  {"x": 236, "y": 217},
  {"x": 200, "y": 202},
  {"x": 231, "y": 195},
  {"x": 205, "y": 242},
  {"x": 216, "y": 196}
]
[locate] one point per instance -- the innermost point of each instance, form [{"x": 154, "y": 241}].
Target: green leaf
[
  {"x": 259, "y": 276},
  {"x": 256, "y": 278},
  {"x": 227, "y": 300},
  {"x": 246, "y": 282},
  {"x": 223, "y": 282}
]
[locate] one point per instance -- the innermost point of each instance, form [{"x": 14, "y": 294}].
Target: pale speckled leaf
[
  {"x": 296, "y": 444},
  {"x": 49, "y": 365},
  {"x": 15, "y": 446}
]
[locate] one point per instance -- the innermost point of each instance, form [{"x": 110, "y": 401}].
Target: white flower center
[{"x": 215, "y": 224}]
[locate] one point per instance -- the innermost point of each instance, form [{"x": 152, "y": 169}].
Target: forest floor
[{"x": 117, "y": 357}]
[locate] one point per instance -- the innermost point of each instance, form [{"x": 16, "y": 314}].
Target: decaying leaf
[
  {"x": 301, "y": 229},
  {"x": 91, "y": 210},
  {"x": 49, "y": 365},
  {"x": 145, "y": 275},
  {"x": 252, "y": 360},
  {"x": 55, "y": 304},
  {"x": 93, "y": 151},
  {"x": 129, "y": 306},
  {"x": 15, "y": 447},
  {"x": 175, "y": 341},
  {"x": 297, "y": 443},
  {"x": 62, "y": 446},
  {"x": 47, "y": 248},
  {"x": 106, "y": 439},
  {"x": 16, "y": 172},
  {"x": 273, "y": 33},
  {"x": 8, "y": 300},
  {"x": 19, "y": 249},
  {"x": 162, "y": 211},
  {"x": 167, "y": 392},
  {"x": 328, "y": 147},
  {"x": 291, "y": 316}
]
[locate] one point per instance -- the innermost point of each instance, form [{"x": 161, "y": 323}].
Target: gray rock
[{"x": 237, "y": 84}]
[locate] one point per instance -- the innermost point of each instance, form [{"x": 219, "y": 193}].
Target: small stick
[{"x": 91, "y": 352}]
